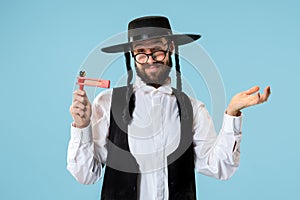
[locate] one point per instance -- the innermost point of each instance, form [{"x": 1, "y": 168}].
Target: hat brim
[{"x": 179, "y": 39}]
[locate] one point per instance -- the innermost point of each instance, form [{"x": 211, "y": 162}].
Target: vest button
[{"x": 133, "y": 188}]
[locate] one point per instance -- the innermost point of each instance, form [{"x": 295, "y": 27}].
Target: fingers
[
  {"x": 80, "y": 108},
  {"x": 256, "y": 99},
  {"x": 267, "y": 91},
  {"x": 80, "y": 96},
  {"x": 79, "y": 112},
  {"x": 249, "y": 98},
  {"x": 259, "y": 98},
  {"x": 80, "y": 100},
  {"x": 79, "y": 105},
  {"x": 252, "y": 100},
  {"x": 252, "y": 90},
  {"x": 264, "y": 97},
  {"x": 80, "y": 92}
]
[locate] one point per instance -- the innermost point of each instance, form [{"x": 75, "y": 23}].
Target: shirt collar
[{"x": 141, "y": 85}]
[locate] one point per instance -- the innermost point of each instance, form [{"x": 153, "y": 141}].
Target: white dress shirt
[{"x": 154, "y": 134}]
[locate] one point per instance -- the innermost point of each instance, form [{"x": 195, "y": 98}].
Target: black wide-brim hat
[{"x": 150, "y": 27}]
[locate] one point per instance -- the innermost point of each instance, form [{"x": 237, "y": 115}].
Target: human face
[{"x": 153, "y": 72}]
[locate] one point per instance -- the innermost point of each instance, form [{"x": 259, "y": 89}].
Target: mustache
[{"x": 156, "y": 64}]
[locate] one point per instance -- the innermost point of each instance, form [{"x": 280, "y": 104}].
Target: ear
[{"x": 171, "y": 48}]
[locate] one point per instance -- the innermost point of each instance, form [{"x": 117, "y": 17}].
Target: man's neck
[{"x": 154, "y": 85}]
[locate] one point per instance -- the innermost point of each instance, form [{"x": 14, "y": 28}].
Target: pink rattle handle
[{"x": 82, "y": 81}]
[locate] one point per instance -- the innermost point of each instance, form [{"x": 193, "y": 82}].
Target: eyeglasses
[{"x": 158, "y": 55}]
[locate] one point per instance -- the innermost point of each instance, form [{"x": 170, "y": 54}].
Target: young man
[{"x": 150, "y": 136}]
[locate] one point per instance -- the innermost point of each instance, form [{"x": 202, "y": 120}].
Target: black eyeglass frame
[{"x": 151, "y": 54}]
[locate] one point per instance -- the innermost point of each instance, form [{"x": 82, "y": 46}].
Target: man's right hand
[{"x": 81, "y": 109}]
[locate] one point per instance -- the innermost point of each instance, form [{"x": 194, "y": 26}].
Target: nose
[{"x": 150, "y": 60}]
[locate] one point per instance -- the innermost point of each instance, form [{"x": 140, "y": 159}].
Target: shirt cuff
[
  {"x": 232, "y": 124},
  {"x": 82, "y": 135}
]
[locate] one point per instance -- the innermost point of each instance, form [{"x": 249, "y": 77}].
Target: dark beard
[{"x": 160, "y": 78}]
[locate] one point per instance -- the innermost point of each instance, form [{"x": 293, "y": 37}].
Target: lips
[
  {"x": 154, "y": 65},
  {"x": 152, "y": 68}
]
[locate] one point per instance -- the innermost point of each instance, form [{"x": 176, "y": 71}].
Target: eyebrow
[{"x": 155, "y": 43}]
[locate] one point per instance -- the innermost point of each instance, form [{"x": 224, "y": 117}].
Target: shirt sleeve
[
  {"x": 217, "y": 156},
  {"x": 87, "y": 149}
]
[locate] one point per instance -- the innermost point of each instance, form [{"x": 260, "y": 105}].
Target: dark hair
[
  {"x": 130, "y": 97},
  {"x": 182, "y": 110},
  {"x": 178, "y": 72}
]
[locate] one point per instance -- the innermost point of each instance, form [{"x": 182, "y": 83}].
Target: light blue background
[{"x": 43, "y": 43}]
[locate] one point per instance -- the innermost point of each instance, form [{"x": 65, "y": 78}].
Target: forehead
[{"x": 149, "y": 43}]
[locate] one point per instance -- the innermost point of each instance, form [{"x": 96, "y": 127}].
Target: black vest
[{"x": 122, "y": 184}]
